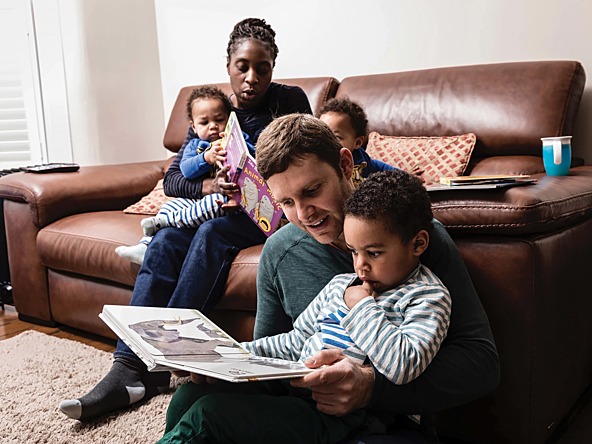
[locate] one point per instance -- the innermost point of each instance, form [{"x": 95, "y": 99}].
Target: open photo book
[
  {"x": 185, "y": 339},
  {"x": 255, "y": 197}
]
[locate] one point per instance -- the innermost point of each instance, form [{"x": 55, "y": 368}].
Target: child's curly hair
[
  {"x": 343, "y": 105},
  {"x": 208, "y": 92},
  {"x": 395, "y": 198}
]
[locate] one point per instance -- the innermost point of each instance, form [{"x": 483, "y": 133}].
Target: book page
[
  {"x": 185, "y": 339},
  {"x": 173, "y": 333}
]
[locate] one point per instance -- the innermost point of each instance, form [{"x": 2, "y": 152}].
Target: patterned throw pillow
[
  {"x": 151, "y": 203},
  {"x": 428, "y": 157}
]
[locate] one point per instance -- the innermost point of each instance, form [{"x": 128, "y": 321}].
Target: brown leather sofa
[{"x": 528, "y": 249}]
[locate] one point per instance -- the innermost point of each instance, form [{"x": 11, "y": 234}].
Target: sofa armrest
[
  {"x": 53, "y": 196},
  {"x": 551, "y": 204}
]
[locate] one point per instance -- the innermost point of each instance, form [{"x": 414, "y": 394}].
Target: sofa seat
[
  {"x": 85, "y": 243},
  {"x": 81, "y": 248}
]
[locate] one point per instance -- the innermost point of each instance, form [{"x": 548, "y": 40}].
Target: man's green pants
[{"x": 253, "y": 412}]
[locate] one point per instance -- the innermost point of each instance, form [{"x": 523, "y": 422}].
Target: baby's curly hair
[
  {"x": 208, "y": 92},
  {"x": 343, "y": 105},
  {"x": 252, "y": 28},
  {"x": 395, "y": 198}
]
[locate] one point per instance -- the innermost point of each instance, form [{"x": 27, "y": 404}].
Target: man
[{"x": 309, "y": 174}]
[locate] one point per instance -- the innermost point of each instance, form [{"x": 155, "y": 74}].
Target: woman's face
[{"x": 250, "y": 69}]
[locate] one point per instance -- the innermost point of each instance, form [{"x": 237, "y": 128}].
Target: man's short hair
[
  {"x": 290, "y": 138},
  {"x": 395, "y": 198}
]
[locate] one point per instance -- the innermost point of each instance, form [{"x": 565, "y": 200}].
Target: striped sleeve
[
  {"x": 402, "y": 334},
  {"x": 290, "y": 345}
]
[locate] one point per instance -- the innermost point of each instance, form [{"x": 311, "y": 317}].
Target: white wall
[
  {"x": 100, "y": 77},
  {"x": 342, "y": 38}
]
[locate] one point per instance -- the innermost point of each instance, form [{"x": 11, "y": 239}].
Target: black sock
[{"x": 119, "y": 388}]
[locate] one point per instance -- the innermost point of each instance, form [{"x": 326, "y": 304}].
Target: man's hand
[
  {"x": 341, "y": 386},
  {"x": 201, "y": 379},
  {"x": 195, "y": 378}
]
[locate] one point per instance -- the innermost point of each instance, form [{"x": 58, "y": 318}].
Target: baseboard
[{"x": 34, "y": 320}]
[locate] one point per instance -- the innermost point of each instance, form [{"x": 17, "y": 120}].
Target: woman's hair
[
  {"x": 290, "y": 138},
  {"x": 208, "y": 92},
  {"x": 394, "y": 198},
  {"x": 252, "y": 28},
  {"x": 355, "y": 112}
]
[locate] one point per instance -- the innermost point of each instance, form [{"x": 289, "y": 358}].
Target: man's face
[{"x": 312, "y": 196}]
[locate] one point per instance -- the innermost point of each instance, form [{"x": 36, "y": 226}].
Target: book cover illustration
[
  {"x": 185, "y": 339},
  {"x": 255, "y": 197},
  {"x": 235, "y": 146}
]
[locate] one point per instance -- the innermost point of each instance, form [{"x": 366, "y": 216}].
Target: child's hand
[
  {"x": 418, "y": 171},
  {"x": 215, "y": 153},
  {"x": 356, "y": 293}
]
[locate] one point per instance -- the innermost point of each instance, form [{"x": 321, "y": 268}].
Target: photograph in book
[
  {"x": 255, "y": 197},
  {"x": 185, "y": 339}
]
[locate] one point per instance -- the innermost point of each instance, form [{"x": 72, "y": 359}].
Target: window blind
[
  {"x": 14, "y": 139},
  {"x": 19, "y": 142}
]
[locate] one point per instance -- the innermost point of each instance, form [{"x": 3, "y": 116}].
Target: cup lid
[{"x": 562, "y": 138}]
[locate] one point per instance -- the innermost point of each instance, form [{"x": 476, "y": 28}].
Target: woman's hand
[
  {"x": 215, "y": 153},
  {"x": 221, "y": 184},
  {"x": 340, "y": 386},
  {"x": 230, "y": 206}
]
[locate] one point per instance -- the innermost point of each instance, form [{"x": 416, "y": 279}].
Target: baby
[
  {"x": 348, "y": 121},
  {"x": 208, "y": 109}
]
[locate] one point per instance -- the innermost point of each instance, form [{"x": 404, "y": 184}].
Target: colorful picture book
[
  {"x": 255, "y": 197},
  {"x": 185, "y": 339}
]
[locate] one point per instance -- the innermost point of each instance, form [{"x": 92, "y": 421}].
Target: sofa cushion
[
  {"x": 151, "y": 203},
  {"x": 428, "y": 157},
  {"x": 509, "y": 106}
]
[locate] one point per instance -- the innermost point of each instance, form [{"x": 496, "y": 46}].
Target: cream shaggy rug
[{"x": 37, "y": 371}]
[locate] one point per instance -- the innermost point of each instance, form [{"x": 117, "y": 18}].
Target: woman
[
  {"x": 188, "y": 268},
  {"x": 251, "y": 55}
]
